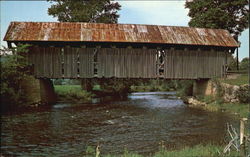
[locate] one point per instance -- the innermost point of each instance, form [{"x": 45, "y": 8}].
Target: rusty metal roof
[{"x": 99, "y": 32}]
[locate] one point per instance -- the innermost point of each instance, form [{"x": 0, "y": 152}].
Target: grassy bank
[
  {"x": 162, "y": 86},
  {"x": 216, "y": 102},
  {"x": 239, "y": 109},
  {"x": 240, "y": 80},
  {"x": 72, "y": 93},
  {"x": 196, "y": 151},
  {"x": 150, "y": 88}
]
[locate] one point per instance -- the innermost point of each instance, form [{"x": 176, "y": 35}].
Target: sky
[{"x": 168, "y": 12}]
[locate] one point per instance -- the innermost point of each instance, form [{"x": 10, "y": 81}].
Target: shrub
[
  {"x": 243, "y": 94},
  {"x": 14, "y": 67},
  {"x": 185, "y": 87},
  {"x": 72, "y": 93}
]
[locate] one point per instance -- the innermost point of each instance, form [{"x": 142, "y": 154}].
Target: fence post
[{"x": 242, "y": 136}]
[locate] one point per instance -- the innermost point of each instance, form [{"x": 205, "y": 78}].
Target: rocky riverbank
[{"x": 225, "y": 97}]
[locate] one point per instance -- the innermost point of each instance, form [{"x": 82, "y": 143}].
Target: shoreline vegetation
[
  {"x": 72, "y": 93},
  {"x": 207, "y": 103},
  {"x": 119, "y": 90},
  {"x": 199, "y": 150},
  {"x": 216, "y": 103}
]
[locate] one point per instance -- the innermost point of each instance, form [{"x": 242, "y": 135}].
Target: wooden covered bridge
[
  {"x": 88, "y": 50},
  {"x": 96, "y": 50}
]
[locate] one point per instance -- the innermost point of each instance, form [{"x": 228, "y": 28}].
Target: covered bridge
[{"x": 96, "y": 50}]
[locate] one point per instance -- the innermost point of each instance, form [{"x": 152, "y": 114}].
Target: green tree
[
  {"x": 244, "y": 64},
  {"x": 232, "y": 15},
  {"x": 232, "y": 63},
  {"x": 100, "y": 11},
  {"x": 14, "y": 67}
]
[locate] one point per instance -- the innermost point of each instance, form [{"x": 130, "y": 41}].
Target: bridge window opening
[
  {"x": 161, "y": 61},
  {"x": 62, "y": 61},
  {"x": 95, "y": 62}
]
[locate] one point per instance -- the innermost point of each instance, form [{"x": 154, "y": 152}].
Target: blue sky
[{"x": 171, "y": 13}]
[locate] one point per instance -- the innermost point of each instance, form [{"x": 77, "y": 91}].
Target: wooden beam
[{"x": 237, "y": 58}]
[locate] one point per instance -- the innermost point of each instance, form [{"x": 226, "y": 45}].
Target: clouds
[{"x": 172, "y": 13}]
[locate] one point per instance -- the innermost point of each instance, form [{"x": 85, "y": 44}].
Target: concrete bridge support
[
  {"x": 47, "y": 91},
  {"x": 203, "y": 87},
  {"x": 37, "y": 90},
  {"x": 86, "y": 84}
]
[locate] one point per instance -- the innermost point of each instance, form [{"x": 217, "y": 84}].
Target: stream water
[{"x": 137, "y": 124}]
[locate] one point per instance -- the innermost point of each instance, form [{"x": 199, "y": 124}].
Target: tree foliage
[
  {"x": 232, "y": 63},
  {"x": 232, "y": 15},
  {"x": 244, "y": 64},
  {"x": 14, "y": 67},
  {"x": 100, "y": 11}
]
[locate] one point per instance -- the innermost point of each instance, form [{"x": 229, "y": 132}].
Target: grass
[
  {"x": 196, "y": 151},
  {"x": 242, "y": 79},
  {"x": 214, "y": 104},
  {"x": 72, "y": 93},
  {"x": 241, "y": 110}
]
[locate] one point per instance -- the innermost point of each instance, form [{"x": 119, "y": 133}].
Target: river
[{"x": 137, "y": 124}]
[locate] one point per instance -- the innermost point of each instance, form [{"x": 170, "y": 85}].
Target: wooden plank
[
  {"x": 172, "y": 63},
  {"x": 118, "y": 63},
  {"x": 194, "y": 64},
  {"x": 200, "y": 64},
  {"x": 167, "y": 69},
  {"x": 36, "y": 62},
  {"x": 191, "y": 64},
  {"x": 86, "y": 69},
  {"x": 147, "y": 66},
  {"x": 138, "y": 64},
  {"x": 57, "y": 66},
  {"x": 43, "y": 63},
  {"x": 186, "y": 69},
  {"x": 51, "y": 70},
  {"x": 100, "y": 71}
]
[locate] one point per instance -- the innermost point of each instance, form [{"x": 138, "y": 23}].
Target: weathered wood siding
[
  {"x": 47, "y": 61},
  {"x": 194, "y": 64},
  {"x": 126, "y": 63},
  {"x": 86, "y": 60},
  {"x": 70, "y": 62}
]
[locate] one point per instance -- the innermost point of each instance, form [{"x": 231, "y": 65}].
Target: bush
[
  {"x": 14, "y": 67},
  {"x": 243, "y": 94},
  {"x": 72, "y": 93},
  {"x": 185, "y": 88}
]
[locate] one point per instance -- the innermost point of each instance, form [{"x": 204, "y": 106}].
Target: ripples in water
[{"x": 137, "y": 124}]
